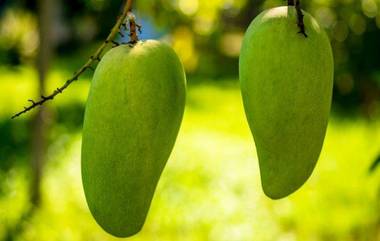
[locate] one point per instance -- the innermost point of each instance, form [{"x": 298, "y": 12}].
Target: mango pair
[{"x": 136, "y": 103}]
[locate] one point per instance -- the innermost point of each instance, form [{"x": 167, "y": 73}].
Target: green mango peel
[
  {"x": 286, "y": 82},
  {"x": 132, "y": 118}
]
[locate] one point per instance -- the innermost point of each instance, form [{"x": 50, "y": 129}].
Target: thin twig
[{"x": 88, "y": 65}]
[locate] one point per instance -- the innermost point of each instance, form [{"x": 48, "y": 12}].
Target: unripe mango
[
  {"x": 286, "y": 82},
  {"x": 132, "y": 118}
]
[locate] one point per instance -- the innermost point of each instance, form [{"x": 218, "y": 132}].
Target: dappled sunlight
[
  {"x": 20, "y": 81},
  {"x": 183, "y": 44}
]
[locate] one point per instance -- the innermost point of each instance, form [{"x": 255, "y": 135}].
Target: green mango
[
  {"x": 286, "y": 82},
  {"x": 132, "y": 118}
]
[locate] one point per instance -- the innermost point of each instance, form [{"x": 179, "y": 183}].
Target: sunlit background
[{"x": 210, "y": 189}]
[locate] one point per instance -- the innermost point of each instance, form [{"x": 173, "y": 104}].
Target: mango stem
[
  {"x": 300, "y": 16},
  {"x": 133, "y": 28}
]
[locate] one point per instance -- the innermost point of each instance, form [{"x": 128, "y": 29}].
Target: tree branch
[{"x": 88, "y": 65}]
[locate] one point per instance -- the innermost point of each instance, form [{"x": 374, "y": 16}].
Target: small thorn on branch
[
  {"x": 30, "y": 100},
  {"x": 90, "y": 68},
  {"x": 124, "y": 25},
  {"x": 115, "y": 44},
  {"x": 95, "y": 58}
]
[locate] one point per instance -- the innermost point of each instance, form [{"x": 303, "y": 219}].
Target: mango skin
[
  {"x": 286, "y": 82},
  {"x": 132, "y": 118}
]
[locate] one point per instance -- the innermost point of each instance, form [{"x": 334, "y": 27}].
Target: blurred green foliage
[
  {"x": 210, "y": 189},
  {"x": 207, "y": 35}
]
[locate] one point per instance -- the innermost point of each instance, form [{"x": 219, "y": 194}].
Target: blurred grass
[{"x": 210, "y": 189}]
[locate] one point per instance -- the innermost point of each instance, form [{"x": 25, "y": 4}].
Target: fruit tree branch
[{"x": 88, "y": 65}]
